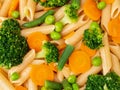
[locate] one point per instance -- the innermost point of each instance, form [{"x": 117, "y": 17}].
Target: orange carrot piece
[
  {"x": 108, "y": 1},
  {"x": 20, "y": 88},
  {"x": 116, "y": 39},
  {"x": 35, "y": 40},
  {"x": 40, "y": 73},
  {"x": 53, "y": 66},
  {"x": 13, "y": 6},
  {"x": 91, "y": 10},
  {"x": 89, "y": 51},
  {"x": 69, "y": 35},
  {"x": 43, "y": 0},
  {"x": 79, "y": 62},
  {"x": 61, "y": 47},
  {"x": 114, "y": 27},
  {"x": 47, "y": 8}
]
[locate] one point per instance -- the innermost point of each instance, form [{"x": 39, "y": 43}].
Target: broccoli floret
[
  {"x": 70, "y": 12},
  {"x": 49, "y": 51},
  {"x": 12, "y": 45},
  {"x": 53, "y": 3},
  {"x": 93, "y": 38},
  {"x": 110, "y": 81}
]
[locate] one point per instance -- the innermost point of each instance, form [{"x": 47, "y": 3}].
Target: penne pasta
[
  {"x": 39, "y": 14},
  {"x": 60, "y": 76},
  {"x": 66, "y": 72},
  {"x": 39, "y": 7}
]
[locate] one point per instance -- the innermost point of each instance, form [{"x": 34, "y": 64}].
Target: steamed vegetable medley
[{"x": 60, "y": 45}]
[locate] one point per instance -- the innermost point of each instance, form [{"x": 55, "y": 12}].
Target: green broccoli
[
  {"x": 110, "y": 81},
  {"x": 49, "y": 51},
  {"x": 93, "y": 37},
  {"x": 12, "y": 45},
  {"x": 70, "y": 11},
  {"x": 52, "y": 3}
]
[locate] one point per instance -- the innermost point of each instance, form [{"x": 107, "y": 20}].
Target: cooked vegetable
[
  {"x": 94, "y": 26},
  {"x": 75, "y": 4},
  {"x": 66, "y": 85},
  {"x": 79, "y": 62},
  {"x": 49, "y": 52},
  {"x": 14, "y": 76},
  {"x": 13, "y": 46},
  {"x": 75, "y": 86},
  {"x": 39, "y": 20},
  {"x": 53, "y": 85},
  {"x": 13, "y": 6},
  {"x": 96, "y": 61},
  {"x": 109, "y": 1},
  {"x": 20, "y": 88},
  {"x": 110, "y": 81},
  {"x": 55, "y": 35},
  {"x": 35, "y": 40},
  {"x": 65, "y": 55},
  {"x": 91, "y": 10},
  {"x": 101, "y": 5},
  {"x": 40, "y": 73},
  {"x": 15, "y": 14},
  {"x": 93, "y": 38},
  {"x": 72, "y": 79},
  {"x": 52, "y": 3},
  {"x": 116, "y": 39},
  {"x": 50, "y": 19},
  {"x": 58, "y": 26}
]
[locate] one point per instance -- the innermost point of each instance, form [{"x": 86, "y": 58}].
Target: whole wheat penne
[
  {"x": 66, "y": 71},
  {"x": 83, "y": 19},
  {"x": 81, "y": 80},
  {"x": 46, "y": 29},
  {"x": 39, "y": 7},
  {"x": 28, "y": 58},
  {"x": 38, "y": 14},
  {"x": 78, "y": 34},
  {"x": 115, "y": 64},
  {"x": 60, "y": 76},
  {"x": 105, "y": 55}
]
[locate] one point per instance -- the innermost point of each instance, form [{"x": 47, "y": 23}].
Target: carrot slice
[
  {"x": 89, "y": 51},
  {"x": 79, "y": 62},
  {"x": 91, "y": 10},
  {"x": 35, "y": 40},
  {"x": 108, "y": 1},
  {"x": 114, "y": 27},
  {"x": 13, "y": 6},
  {"x": 20, "y": 88},
  {"x": 116, "y": 39},
  {"x": 40, "y": 73},
  {"x": 69, "y": 35},
  {"x": 53, "y": 66}
]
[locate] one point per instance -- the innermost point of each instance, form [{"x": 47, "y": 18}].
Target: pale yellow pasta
[
  {"x": 105, "y": 55},
  {"x": 5, "y": 8},
  {"x": 115, "y": 64},
  {"x": 22, "y": 4},
  {"x": 39, "y": 7},
  {"x": 5, "y": 84},
  {"x": 31, "y": 85},
  {"x": 66, "y": 71},
  {"x": 105, "y": 19},
  {"x": 77, "y": 46},
  {"x": 78, "y": 34},
  {"x": 81, "y": 80},
  {"x": 38, "y": 14},
  {"x": 115, "y": 49},
  {"x": 46, "y": 29},
  {"x": 83, "y": 87},
  {"x": 83, "y": 19},
  {"x": 29, "y": 57},
  {"x": 115, "y": 8},
  {"x": 60, "y": 76},
  {"x": 59, "y": 42},
  {"x": 29, "y": 10}
]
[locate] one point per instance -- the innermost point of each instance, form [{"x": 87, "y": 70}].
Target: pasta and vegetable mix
[{"x": 59, "y": 45}]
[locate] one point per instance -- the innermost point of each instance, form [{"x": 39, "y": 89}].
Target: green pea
[
  {"x": 55, "y": 35},
  {"x": 72, "y": 79},
  {"x": 58, "y": 26},
  {"x": 15, "y": 14},
  {"x": 94, "y": 26},
  {"x": 50, "y": 19},
  {"x": 75, "y": 86},
  {"x": 96, "y": 61},
  {"x": 101, "y": 5},
  {"x": 14, "y": 76}
]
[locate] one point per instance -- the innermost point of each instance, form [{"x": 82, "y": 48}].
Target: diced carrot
[
  {"x": 35, "y": 40},
  {"x": 13, "y": 6},
  {"x": 116, "y": 39},
  {"x": 114, "y": 27},
  {"x": 40, "y": 73},
  {"x": 91, "y": 10},
  {"x": 79, "y": 62},
  {"x": 20, "y": 88},
  {"x": 53, "y": 66},
  {"x": 47, "y": 8},
  {"x": 61, "y": 47},
  {"x": 108, "y": 1},
  {"x": 89, "y": 51},
  {"x": 69, "y": 35}
]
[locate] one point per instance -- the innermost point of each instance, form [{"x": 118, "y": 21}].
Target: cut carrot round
[
  {"x": 35, "y": 40},
  {"x": 79, "y": 62},
  {"x": 116, "y": 39},
  {"x": 114, "y": 27},
  {"x": 20, "y": 88},
  {"x": 40, "y": 73},
  {"x": 91, "y": 10}
]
